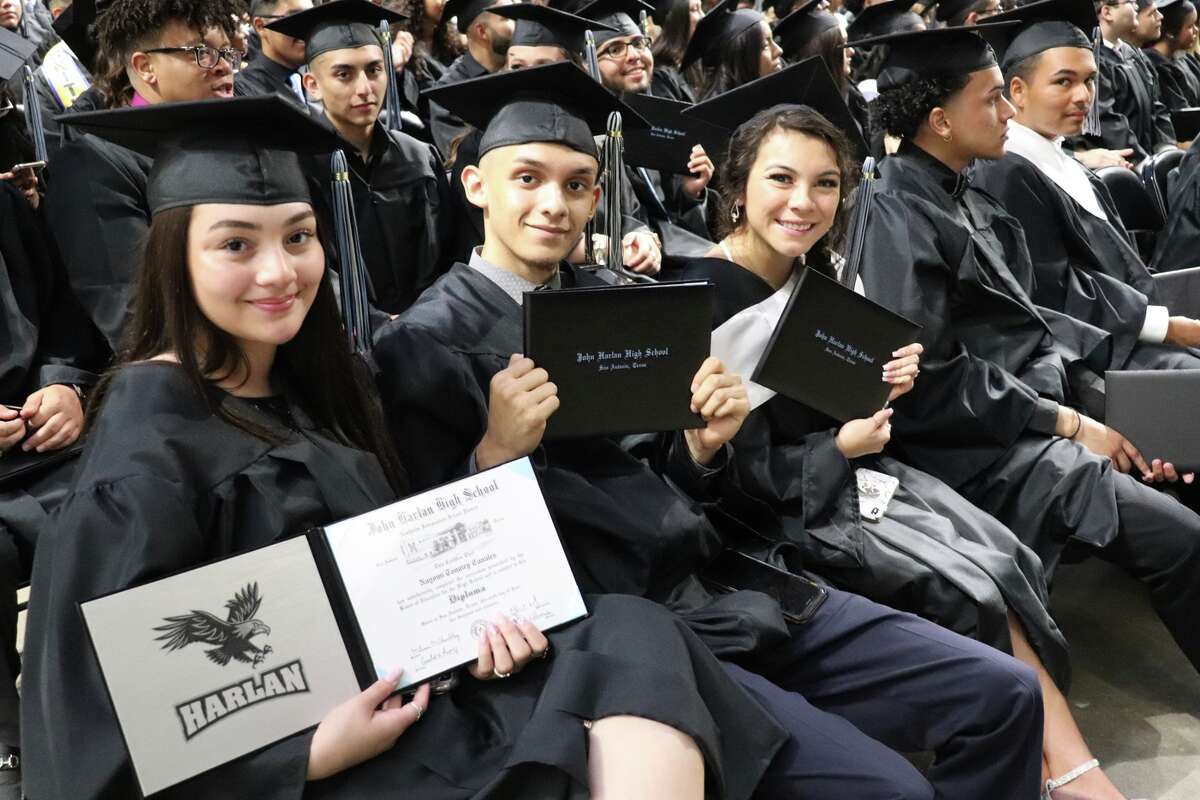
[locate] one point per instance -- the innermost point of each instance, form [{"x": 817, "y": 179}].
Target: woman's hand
[
  {"x": 358, "y": 729},
  {"x": 700, "y": 169},
  {"x": 864, "y": 437},
  {"x": 402, "y": 49},
  {"x": 641, "y": 254},
  {"x": 506, "y": 646},
  {"x": 12, "y": 428},
  {"x": 27, "y": 181},
  {"x": 903, "y": 371},
  {"x": 720, "y": 398},
  {"x": 56, "y": 417}
]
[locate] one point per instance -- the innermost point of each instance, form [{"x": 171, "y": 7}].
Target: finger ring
[
  {"x": 545, "y": 653},
  {"x": 501, "y": 675},
  {"x": 420, "y": 711}
]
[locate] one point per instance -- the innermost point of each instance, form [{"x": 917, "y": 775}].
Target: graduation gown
[
  {"x": 1178, "y": 84},
  {"x": 668, "y": 81},
  {"x": 1131, "y": 114},
  {"x": 263, "y": 76},
  {"x": 932, "y": 554},
  {"x": 403, "y": 209},
  {"x": 1082, "y": 266},
  {"x": 1176, "y": 244},
  {"x": 97, "y": 211},
  {"x": 167, "y": 485},
  {"x": 445, "y": 126}
]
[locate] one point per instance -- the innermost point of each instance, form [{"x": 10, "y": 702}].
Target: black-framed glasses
[
  {"x": 621, "y": 49},
  {"x": 207, "y": 57}
]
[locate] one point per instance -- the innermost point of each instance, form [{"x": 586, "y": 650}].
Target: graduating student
[
  {"x": 236, "y": 419},
  {"x": 1083, "y": 260},
  {"x": 460, "y": 399},
  {"x": 1176, "y": 245},
  {"x": 1178, "y": 79},
  {"x": 277, "y": 66},
  {"x": 488, "y": 36},
  {"x": 401, "y": 197},
  {"x": 159, "y": 51},
  {"x": 991, "y": 413},
  {"x": 1132, "y": 116},
  {"x": 733, "y": 46},
  {"x": 677, "y": 20}
]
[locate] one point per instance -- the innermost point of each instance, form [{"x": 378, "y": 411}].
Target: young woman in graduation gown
[
  {"x": 235, "y": 419},
  {"x": 932, "y": 553}
]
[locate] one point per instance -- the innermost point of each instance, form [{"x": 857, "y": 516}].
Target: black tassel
[
  {"x": 1091, "y": 123},
  {"x": 857, "y": 235},
  {"x": 353, "y": 274},
  {"x": 33, "y": 116},
  {"x": 392, "y": 100}
]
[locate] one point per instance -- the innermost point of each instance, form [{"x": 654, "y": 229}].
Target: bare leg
[
  {"x": 1063, "y": 746},
  {"x": 630, "y": 758}
]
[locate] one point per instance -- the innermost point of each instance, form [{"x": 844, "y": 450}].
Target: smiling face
[
  {"x": 176, "y": 76},
  {"x": 631, "y": 72},
  {"x": 536, "y": 199},
  {"x": 351, "y": 83},
  {"x": 255, "y": 270},
  {"x": 792, "y": 193},
  {"x": 1055, "y": 95}
]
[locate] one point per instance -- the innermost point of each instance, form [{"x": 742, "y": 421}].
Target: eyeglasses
[
  {"x": 621, "y": 49},
  {"x": 207, "y": 57}
]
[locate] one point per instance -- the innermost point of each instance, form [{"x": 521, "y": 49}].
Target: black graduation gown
[
  {"x": 1131, "y": 115},
  {"x": 166, "y": 485},
  {"x": 445, "y": 126},
  {"x": 1084, "y": 267},
  {"x": 668, "y": 81},
  {"x": 97, "y": 211},
  {"x": 403, "y": 206},
  {"x": 264, "y": 76},
  {"x": 933, "y": 554},
  {"x": 1176, "y": 245},
  {"x": 1179, "y": 86}
]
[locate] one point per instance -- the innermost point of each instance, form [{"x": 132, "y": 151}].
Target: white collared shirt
[{"x": 512, "y": 284}]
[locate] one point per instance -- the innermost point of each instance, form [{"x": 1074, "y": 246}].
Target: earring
[
  {"x": 735, "y": 214},
  {"x": 949, "y": 137}
]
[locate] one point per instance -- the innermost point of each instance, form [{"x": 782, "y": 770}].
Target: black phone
[{"x": 798, "y": 597}]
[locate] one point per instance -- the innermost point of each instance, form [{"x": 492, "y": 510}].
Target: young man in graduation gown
[
  {"x": 276, "y": 69},
  {"x": 460, "y": 400},
  {"x": 991, "y": 412},
  {"x": 488, "y": 36},
  {"x": 97, "y": 210},
  {"x": 1084, "y": 263},
  {"x": 1132, "y": 116},
  {"x": 401, "y": 198}
]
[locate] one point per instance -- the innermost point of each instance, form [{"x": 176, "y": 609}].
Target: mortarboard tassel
[
  {"x": 645, "y": 23},
  {"x": 1091, "y": 123},
  {"x": 392, "y": 101},
  {"x": 589, "y": 49},
  {"x": 33, "y": 116},
  {"x": 857, "y": 236},
  {"x": 352, "y": 275},
  {"x": 612, "y": 168}
]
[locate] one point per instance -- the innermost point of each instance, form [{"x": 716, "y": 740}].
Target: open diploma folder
[
  {"x": 829, "y": 348},
  {"x": 190, "y": 661},
  {"x": 667, "y": 144},
  {"x": 622, "y": 357},
  {"x": 1156, "y": 410}
]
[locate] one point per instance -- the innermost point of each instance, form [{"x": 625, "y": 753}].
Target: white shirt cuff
[{"x": 1154, "y": 329}]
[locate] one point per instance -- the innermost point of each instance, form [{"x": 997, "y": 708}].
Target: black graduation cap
[
  {"x": 894, "y": 16},
  {"x": 662, "y": 8},
  {"x": 542, "y": 25},
  {"x": 716, "y": 29},
  {"x": 554, "y": 103},
  {"x": 949, "y": 9},
  {"x": 940, "y": 51},
  {"x": 239, "y": 150},
  {"x": 15, "y": 50},
  {"x": 464, "y": 12},
  {"x": 802, "y": 25},
  {"x": 340, "y": 25},
  {"x": 623, "y": 17},
  {"x": 74, "y": 26},
  {"x": 1042, "y": 26},
  {"x": 805, "y": 84}
]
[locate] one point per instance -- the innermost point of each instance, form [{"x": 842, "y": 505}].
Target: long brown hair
[
  {"x": 743, "y": 150},
  {"x": 315, "y": 368}
]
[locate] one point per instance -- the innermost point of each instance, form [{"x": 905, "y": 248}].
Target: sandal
[{"x": 1055, "y": 783}]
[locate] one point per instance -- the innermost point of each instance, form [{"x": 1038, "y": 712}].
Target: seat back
[
  {"x": 1155, "y": 172},
  {"x": 1139, "y": 211}
]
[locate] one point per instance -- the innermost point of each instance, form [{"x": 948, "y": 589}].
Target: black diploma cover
[
  {"x": 667, "y": 144},
  {"x": 1156, "y": 410},
  {"x": 1179, "y": 290}
]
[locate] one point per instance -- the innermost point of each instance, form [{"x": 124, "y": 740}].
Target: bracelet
[{"x": 1078, "y": 425}]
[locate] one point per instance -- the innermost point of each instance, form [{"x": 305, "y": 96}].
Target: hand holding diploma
[
  {"x": 864, "y": 437},
  {"x": 506, "y": 646},
  {"x": 701, "y": 168},
  {"x": 721, "y": 399},
  {"x": 902, "y": 372}
]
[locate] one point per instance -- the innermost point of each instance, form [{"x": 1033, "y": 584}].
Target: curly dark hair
[
  {"x": 743, "y": 150},
  {"x": 903, "y": 110},
  {"x": 126, "y": 26}
]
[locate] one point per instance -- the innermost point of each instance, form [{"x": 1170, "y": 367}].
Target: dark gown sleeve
[
  {"x": 1176, "y": 246},
  {"x": 96, "y": 212},
  {"x": 107, "y": 537},
  {"x": 1115, "y": 130},
  {"x": 1171, "y": 92}
]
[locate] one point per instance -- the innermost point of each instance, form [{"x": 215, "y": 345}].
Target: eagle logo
[{"x": 231, "y": 636}]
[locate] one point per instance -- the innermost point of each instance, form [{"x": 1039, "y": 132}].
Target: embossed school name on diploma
[{"x": 426, "y": 575}]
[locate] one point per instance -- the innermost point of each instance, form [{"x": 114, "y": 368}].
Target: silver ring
[
  {"x": 420, "y": 711},
  {"x": 501, "y": 675}
]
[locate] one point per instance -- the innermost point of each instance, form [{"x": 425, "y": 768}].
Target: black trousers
[{"x": 860, "y": 681}]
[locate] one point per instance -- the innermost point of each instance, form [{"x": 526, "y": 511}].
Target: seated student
[
  {"x": 157, "y": 51},
  {"x": 417, "y": 66},
  {"x": 734, "y": 46},
  {"x": 1177, "y": 77},
  {"x": 1084, "y": 264},
  {"x": 932, "y": 553},
  {"x": 1176, "y": 245},
  {"x": 458, "y": 398},
  {"x": 990, "y": 414},
  {"x": 677, "y": 21},
  {"x": 236, "y": 419},
  {"x": 276, "y": 68},
  {"x": 401, "y": 197},
  {"x": 674, "y": 205}
]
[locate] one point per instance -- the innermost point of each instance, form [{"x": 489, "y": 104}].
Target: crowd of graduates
[{"x": 177, "y": 387}]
